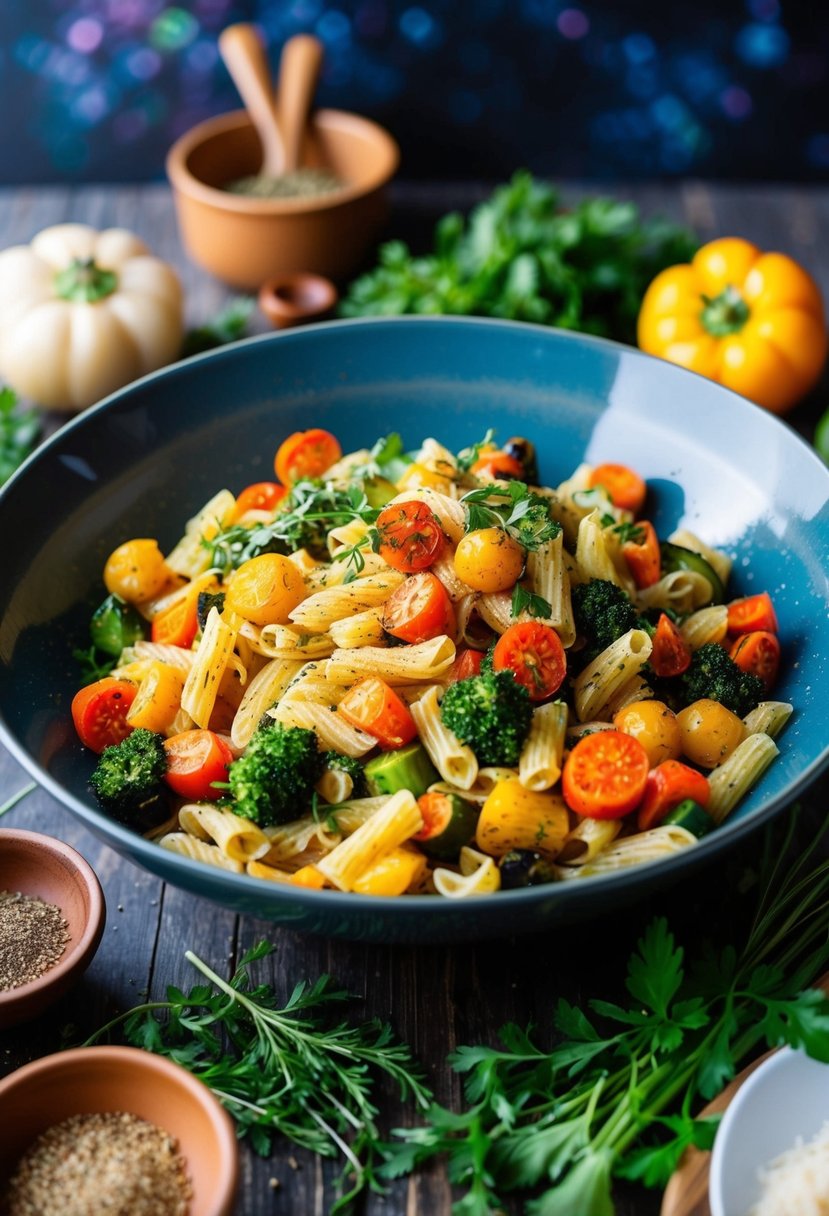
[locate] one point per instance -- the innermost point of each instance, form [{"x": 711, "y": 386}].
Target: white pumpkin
[{"x": 84, "y": 312}]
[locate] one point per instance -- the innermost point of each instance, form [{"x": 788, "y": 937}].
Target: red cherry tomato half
[
  {"x": 467, "y": 663},
  {"x": 99, "y": 712},
  {"x": 605, "y": 775},
  {"x": 178, "y": 625},
  {"x": 759, "y": 654},
  {"x": 671, "y": 654},
  {"x": 642, "y": 555},
  {"x": 497, "y": 466},
  {"x": 306, "y": 454},
  {"x": 261, "y": 496},
  {"x": 535, "y": 654},
  {"x": 755, "y": 612},
  {"x": 411, "y": 538},
  {"x": 371, "y": 705},
  {"x": 626, "y": 488},
  {"x": 670, "y": 783},
  {"x": 195, "y": 759},
  {"x": 419, "y": 610}
]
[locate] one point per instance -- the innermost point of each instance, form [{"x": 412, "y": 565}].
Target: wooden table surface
[{"x": 437, "y": 997}]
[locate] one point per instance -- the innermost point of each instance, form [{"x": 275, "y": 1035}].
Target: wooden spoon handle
[
  {"x": 299, "y": 71},
  {"x": 244, "y": 56}
]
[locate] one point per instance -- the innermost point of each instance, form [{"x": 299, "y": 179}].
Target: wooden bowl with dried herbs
[
  {"x": 114, "y": 1129},
  {"x": 52, "y": 915}
]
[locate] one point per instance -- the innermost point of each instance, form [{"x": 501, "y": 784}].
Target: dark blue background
[{"x": 98, "y": 89}]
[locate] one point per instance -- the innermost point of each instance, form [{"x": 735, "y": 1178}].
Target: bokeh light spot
[
  {"x": 762, "y": 46},
  {"x": 573, "y": 24},
  {"x": 173, "y": 30},
  {"x": 736, "y": 103},
  {"x": 85, "y": 35},
  {"x": 419, "y": 27}
]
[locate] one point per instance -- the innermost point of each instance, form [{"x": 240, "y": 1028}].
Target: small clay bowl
[
  {"x": 55, "y": 872},
  {"x": 92, "y": 1080},
  {"x": 245, "y": 241},
  {"x": 296, "y": 299}
]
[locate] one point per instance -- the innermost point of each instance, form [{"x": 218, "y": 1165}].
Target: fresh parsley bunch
[
  {"x": 616, "y": 1096},
  {"x": 521, "y": 256},
  {"x": 19, "y": 432}
]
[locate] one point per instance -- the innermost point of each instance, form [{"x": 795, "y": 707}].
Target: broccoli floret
[
  {"x": 274, "y": 779},
  {"x": 491, "y": 713},
  {"x": 715, "y": 675},
  {"x": 602, "y": 613},
  {"x": 128, "y": 779},
  {"x": 487, "y": 661},
  {"x": 350, "y": 765}
]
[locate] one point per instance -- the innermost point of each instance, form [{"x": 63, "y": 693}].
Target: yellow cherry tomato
[
  {"x": 710, "y": 732},
  {"x": 265, "y": 589},
  {"x": 656, "y": 728},
  {"x": 516, "y": 818},
  {"x": 158, "y": 699},
  {"x": 753, "y": 321},
  {"x": 489, "y": 560},
  {"x": 137, "y": 571}
]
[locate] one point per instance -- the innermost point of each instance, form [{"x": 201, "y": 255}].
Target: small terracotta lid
[
  {"x": 42, "y": 866},
  {"x": 92, "y": 1080},
  {"x": 295, "y": 299}
]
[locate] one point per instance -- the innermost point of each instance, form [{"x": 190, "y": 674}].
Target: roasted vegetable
[
  {"x": 524, "y": 868},
  {"x": 128, "y": 780},
  {"x": 407, "y": 768},
  {"x": 273, "y": 781},
  {"x": 491, "y": 713},
  {"x": 115, "y": 625}
]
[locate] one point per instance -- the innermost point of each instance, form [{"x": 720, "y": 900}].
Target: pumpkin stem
[
  {"x": 724, "y": 314},
  {"x": 83, "y": 282}
]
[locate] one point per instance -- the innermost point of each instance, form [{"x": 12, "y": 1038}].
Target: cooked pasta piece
[
  {"x": 240, "y": 839},
  {"x": 454, "y": 761},
  {"x": 417, "y": 664},
  {"x": 346, "y": 536},
  {"x": 264, "y": 690},
  {"x": 539, "y": 766},
  {"x": 212, "y": 657},
  {"x": 288, "y": 841},
  {"x": 549, "y": 579},
  {"x": 173, "y": 656},
  {"x": 258, "y": 869},
  {"x": 479, "y": 876},
  {"x": 333, "y": 732},
  {"x": 191, "y": 556},
  {"x": 602, "y": 679},
  {"x": 444, "y": 569},
  {"x": 335, "y": 785},
  {"x": 387, "y": 829},
  {"x": 496, "y": 609},
  {"x": 198, "y": 850},
  {"x": 719, "y": 562},
  {"x": 594, "y": 557},
  {"x": 362, "y": 629},
  {"x": 768, "y": 718},
  {"x": 682, "y": 590},
  {"x": 287, "y": 642},
  {"x": 635, "y": 689},
  {"x": 587, "y": 839},
  {"x": 732, "y": 779},
  {"x": 705, "y": 625},
  {"x": 323, "y": 608},
  {"x": 632, "y": 851}
]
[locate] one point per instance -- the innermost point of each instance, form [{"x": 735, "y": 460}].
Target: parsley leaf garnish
[
  {"x": 19, "y": 433},
  {"x": 511, "y": 505},
  {"x": 526, "y": 601}
]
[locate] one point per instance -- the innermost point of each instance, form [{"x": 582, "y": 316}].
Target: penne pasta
[
  {"x": 738, "y": 773},
  {"x": 239, "y": 839},
  {"x": 602, "y": 679},
  {"x": 539, "y": 766},
  {"x": 454, "y": 761},
  {"x": 416, "y": 664},
  {"x": 388, "y": 828}
]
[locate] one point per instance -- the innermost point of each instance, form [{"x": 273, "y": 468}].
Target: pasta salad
[{"x": 427, "y": 673}]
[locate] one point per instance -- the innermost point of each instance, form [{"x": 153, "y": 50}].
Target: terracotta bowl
[
  {"x": 40, "y": 865},
  {"x": 92, "y": 1080},
  {"x": 244, "y": 241}
]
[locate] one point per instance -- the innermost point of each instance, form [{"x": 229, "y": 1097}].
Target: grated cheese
[{"x": 797, "y": 1182}]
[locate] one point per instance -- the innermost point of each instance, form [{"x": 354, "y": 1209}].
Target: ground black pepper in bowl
[
  {"x": 33, "y": 936},
  {"x": 112, "y": 1162}
]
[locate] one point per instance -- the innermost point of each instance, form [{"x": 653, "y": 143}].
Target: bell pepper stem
[{"x": 724, "y": 314}]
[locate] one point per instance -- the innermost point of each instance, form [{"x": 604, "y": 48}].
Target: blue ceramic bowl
[{"x": 142, "y": 462}]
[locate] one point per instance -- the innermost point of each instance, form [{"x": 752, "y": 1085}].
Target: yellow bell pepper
[{"x": 753, "y": 321}]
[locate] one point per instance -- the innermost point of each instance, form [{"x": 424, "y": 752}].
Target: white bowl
[{"x": 785, "y": 1099}]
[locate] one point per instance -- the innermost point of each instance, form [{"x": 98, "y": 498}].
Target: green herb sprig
[
  {"x": 227, "y": 326},
  {"x": 616, "y": 1097},
  {"x": 19, "y": 432},
  {"x": 511, "y": 505},
  {"x": 291, "y": 1070},
  {"x": 312, "y": 509},
  {"x": 522, "y": 256},
  {"x": 527, "y": 601}
]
